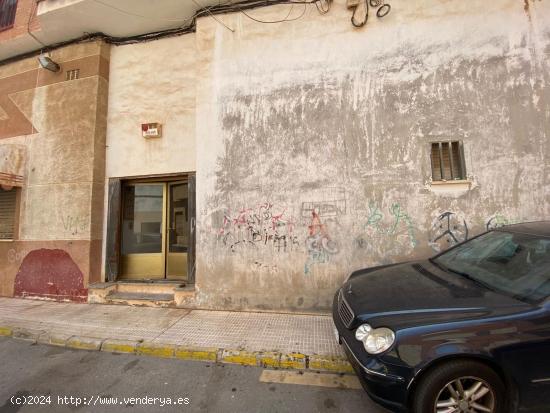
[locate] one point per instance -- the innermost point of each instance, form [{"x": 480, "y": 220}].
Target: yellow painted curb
[
  {"x": 245, "y": 358},
  {"x": 84, "y": 343},
  {"x": 333, "y": 364},
  {"x": 54, "y": 339},
  {"x": 200, "y": 354},
  {"x": 26, "y": 334},
  {"x": 58, "y": 339},
  {"x": 269, "y": 359},
  {"x": 119, "y": 346},
  {"x": 266, "y": 359},
  {"x": 157, "y": 350},
  {"x": 293, "y": 361}
]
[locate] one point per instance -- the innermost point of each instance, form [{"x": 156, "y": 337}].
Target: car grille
[{"x": 344, "y": 310}]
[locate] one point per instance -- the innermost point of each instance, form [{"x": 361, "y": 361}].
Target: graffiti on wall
[
  {"x": 74, "y": 224},
  {"x": 263, "y": 226},
  {"x": 263, "y": 267},
  {"x": 448, "y": 229},
  {"x": 16, "y": 255},
  {"x": 498, "y": 220},
  {"x": 388, "y": 231},
  {"x": 332, "y": 205},
  {"x": 319, "y": 245},
  {"x": 396, "y": 224}
]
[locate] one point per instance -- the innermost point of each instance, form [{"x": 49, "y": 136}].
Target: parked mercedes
[{"x": 465, "y": 331}]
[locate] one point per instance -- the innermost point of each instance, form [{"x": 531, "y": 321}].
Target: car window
[{"x": 517, "y": 264}]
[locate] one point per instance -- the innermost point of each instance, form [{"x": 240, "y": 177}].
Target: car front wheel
[{"x": 460, "y": 386}]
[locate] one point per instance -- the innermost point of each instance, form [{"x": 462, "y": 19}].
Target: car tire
[{"x": 442, "y": 385}]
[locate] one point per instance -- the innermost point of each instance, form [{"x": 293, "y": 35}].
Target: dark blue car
[{"x": 465, "y": 331}]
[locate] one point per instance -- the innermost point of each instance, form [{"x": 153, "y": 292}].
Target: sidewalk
[{"x": 261, "y": 339}]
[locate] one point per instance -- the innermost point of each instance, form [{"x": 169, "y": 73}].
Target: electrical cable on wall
[
  {"x": 214, "y": 17},
  {"x": 323, "y": 7},
  {"x": 382, "y": 10},
  {"x": 286, "y": 19}
]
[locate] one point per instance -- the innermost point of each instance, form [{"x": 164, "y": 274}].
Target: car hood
[{"x": 419, "y": 293}]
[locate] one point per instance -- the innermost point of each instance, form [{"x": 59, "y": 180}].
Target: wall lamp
[{"x": 48, "y": 64}]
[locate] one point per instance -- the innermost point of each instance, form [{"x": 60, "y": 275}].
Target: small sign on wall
[{"x": 151, "y": 130}]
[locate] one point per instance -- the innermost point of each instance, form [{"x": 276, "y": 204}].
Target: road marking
[{"x": 307, "y": 378}]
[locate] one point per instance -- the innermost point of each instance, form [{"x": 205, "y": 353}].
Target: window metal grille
[
  {"x": 73, "y": 74},
  {"x": 447, "y": 161},
  {"x": 7, "y": 13}
]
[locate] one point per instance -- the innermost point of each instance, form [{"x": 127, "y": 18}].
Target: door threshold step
[
  {"x": 130, "y": 296},
  {"x": 148, "y": 281}
]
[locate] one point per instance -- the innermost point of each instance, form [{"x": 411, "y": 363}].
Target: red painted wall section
[{"x": 50, "y": 273}]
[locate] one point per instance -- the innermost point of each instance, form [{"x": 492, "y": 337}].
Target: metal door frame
[{"x": 114, "y": 219}]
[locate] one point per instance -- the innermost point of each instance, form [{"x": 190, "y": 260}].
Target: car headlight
[
  {"x": 362, "y": 332},
  {"x": 376, "y": 340}
]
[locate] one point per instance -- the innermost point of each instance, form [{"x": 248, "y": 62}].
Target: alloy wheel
[{"x": 465, "y": 395}]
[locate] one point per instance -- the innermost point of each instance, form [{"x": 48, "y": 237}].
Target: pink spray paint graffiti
[{"x": 319, "y": 246}]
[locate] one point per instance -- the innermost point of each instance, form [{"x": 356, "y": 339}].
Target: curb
[{"x": 266, "y": 359}]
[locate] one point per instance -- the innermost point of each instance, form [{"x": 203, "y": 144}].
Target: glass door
[
  {"x": 143, "y": 222},
  {"x": 177, "y": 230}
]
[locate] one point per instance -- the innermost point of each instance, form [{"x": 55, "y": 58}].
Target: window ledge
[
  {"x": 451, "y": 188},
  {"x": 454, "y": 182}
]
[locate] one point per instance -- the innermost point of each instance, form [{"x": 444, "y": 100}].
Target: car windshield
[{"x": 512, "y": 263}]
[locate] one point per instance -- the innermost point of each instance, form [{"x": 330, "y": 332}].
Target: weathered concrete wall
[
  {"x": 313, "y": 141},
  {"x": 60, "y": 126},
  {"x": 151, "y": 82}
]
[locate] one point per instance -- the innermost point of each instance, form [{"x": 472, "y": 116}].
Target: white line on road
[{"x": 310, "y": 379}]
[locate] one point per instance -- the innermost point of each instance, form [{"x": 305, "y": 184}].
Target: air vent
[{"x": 73, "y": 74}]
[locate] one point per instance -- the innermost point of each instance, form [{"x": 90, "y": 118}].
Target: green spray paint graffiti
[
  {"x": 400, "y": 222},
  {"x": 499, "y": 220},
  {"x": 375, "y": 216},
  {"x": 401, "y": 216}
]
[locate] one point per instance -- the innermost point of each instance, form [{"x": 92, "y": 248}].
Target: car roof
[{"x": 536, "y": 228}]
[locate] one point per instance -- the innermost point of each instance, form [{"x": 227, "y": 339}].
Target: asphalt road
[{"x": 51, "y": 375}]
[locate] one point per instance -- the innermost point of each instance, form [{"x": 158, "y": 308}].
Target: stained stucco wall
[
  {"x": 151, "y": 82},
  {"x": 315, "y": 116},
  {"x": 59, "y": 125}
]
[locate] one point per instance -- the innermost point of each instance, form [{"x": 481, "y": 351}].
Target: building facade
[
  {"x": 252, "y": 166},
  {"x": 52, "y": 170}
]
